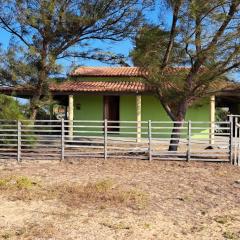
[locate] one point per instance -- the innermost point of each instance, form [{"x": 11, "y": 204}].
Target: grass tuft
[
  {"x": 231, "y": 235},
  {"x": 105, "y": 192},
  {"x": 14, "y": 182}
]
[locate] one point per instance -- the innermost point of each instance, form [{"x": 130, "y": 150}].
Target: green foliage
[
  {"x": 44, "y": 32},
  {"x": 17, "y": 182},
  {"x": 24, "y": 183},
  {"x": 189, "y": 58},
  {"x": 222, "y": 114},
  {"x": 150, "y": 44},
  {"x": 10, "y": 109}
]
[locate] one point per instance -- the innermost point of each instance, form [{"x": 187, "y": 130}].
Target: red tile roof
[
  {"x": 116, "y": 71},
  {"x": 111, "y": 85},
  {"x": 100, "y": 86},
  {"x": 107, "y": 72}
]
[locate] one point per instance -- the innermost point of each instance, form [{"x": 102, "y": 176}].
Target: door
[{"x": 111, "y": 112}]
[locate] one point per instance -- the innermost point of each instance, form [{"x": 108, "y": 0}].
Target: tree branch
[
  {"x": 172, "y": 34},
  {"x": 12, "y": 31}
]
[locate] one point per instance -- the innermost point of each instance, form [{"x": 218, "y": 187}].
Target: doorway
[{"x": 111, "y": 112}]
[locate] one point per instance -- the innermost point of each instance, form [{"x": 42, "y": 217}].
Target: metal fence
[
  {"x": 149, "y": 140},
  {"x": 235, "y": 139}
]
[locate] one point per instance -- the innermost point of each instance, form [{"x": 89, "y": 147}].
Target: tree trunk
[
  {"x": 42, "y": 77},
  {"x": 175, "y": 136},
  {"x": 178, "y": 123},
  {"x": 35, "y": 101},
  {"x": 33, "y": 112}
]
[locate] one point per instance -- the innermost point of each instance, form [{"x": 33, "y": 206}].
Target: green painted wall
[
  {"x": 88, "y": 107},
  {"x": 153, "y": 110}
]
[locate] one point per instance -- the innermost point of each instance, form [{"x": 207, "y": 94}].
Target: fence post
[
  {"x": 231, "y": 139},
  {"x": 238, "y": 150},
  {"x": 235, "y": 140},
  {"x": 189, "y": 140},
  {"x": 150, "y": 140},
  {"x": 62, "y": 139},
  {"x": 19, "y": 140},
  {"x": 105, "y": 139}
]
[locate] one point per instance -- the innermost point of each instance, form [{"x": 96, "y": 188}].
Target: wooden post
[
  {"x": 150, "y": 140},
  {"x": 105, "y": 139},
  {"x": 139, "y": 113},
  {"x": 212, "y": 119},
  {"x": 62, "y": 139},
  {"x": 19, "y": 141},
  {"x": 189, "y": 140},
  {"x": 70, "y": 117}
]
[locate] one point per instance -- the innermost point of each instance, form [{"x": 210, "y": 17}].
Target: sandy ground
[{"x": 181, "y": 201}]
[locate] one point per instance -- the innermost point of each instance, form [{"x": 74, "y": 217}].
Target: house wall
[
  {"x": 153, "y": 110},
  {"x": 89, "y": 107}
]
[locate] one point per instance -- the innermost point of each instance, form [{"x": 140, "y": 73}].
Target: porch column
[
  {"x": 70, "y": 116},
  {"x": 212, "y": 119},
  {"x": 139, "y": 113}
]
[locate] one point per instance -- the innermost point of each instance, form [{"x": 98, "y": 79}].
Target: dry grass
[
  {"x": 31, "y": 231},
  {"x": 129, "y": 200},
  {"x": 104, "y": 192}
]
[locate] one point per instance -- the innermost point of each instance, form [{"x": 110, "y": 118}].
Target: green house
[{"x": 119, "y": 94}]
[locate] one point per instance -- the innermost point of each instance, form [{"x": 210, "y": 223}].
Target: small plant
[
  {"x": 3, "y": 182},
  {"x": 14, "y": 182},
  {"x": 24, "y": 183},
  {"x": 103, "y": 186},
  {"x": 147, "y": 225},
  {"x": 223, "y": 219},
  {"x": 231, "y": 235},
  {"x": 6, "y": 235},
  {"x": 116, "y": 226}
]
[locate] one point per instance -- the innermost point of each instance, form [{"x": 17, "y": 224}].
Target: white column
[
  {"x": 139, "y": 114},
  {"x": 212, "y": 119},
  {"x": 70, "y": 115}
]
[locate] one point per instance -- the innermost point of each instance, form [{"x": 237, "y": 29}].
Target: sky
[{"x": 122, "y": 47}]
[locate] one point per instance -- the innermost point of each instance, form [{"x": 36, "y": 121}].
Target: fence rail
[{"x": 64, "y": 139}]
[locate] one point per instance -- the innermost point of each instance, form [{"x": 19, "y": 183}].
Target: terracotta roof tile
[
  {"x": 108, "y": 71},
  {"x": 116, "y": 71},
  {"x": 100, "y": 86},
  {"x": 112, "y": 85}
]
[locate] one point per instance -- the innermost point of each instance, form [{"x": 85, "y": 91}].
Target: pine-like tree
[
  {"x": 45, "y": 31},
  {"x": 201, "y": 46}
]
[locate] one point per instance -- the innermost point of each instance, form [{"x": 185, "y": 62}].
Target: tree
[
  {"x": 10, "y": 108},
  {"x": 207, "y": 34},
  {"x": 45, "y": 31}
]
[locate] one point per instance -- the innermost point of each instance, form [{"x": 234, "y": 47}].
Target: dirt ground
[{"x": 119, "y": 199}]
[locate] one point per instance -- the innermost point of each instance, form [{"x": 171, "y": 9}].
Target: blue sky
[{"x": 122, "y": 47}]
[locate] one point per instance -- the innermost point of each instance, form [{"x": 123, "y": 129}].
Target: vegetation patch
[
  {"x": 116, "y": 226},
  {"x": 16, "y": 182},
  {"x": 31, "y": 231},
  {"x": 224, "y": 219},
  {"x": 102, "y": 192},
  {"x": 231, "y": 235},
  {"x": 105, "y": 192}
]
